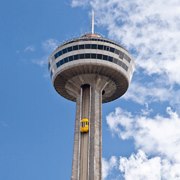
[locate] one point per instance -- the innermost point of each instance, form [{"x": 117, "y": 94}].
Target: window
[
  {"x": 121, "y": 54},
  {"x": 64, "y": 51},
  {"x": 99, "y": 56},
  {"x": 110, "y": 58},
  {"x": 81, "y": 46},
  {"x": 112, "y": 49},
  {"x": 94, "y": 46},
  {"x": 105, "y": 57},
  {"x": 71, "y": 58},
  {"x": 69, "y": 49},
  {"x": 66, "y": 60},
  {"x": 87, "y": 56},
  {"x": 116, "y": 51},
  {"x": 127, "y": 58},
  {"x": 76, "y": 57},
  {"x": 115, "y": 60},
  {"x": 87, "y": 46},
  {"x": 75, "y": 47},
  {"x": 81, "y": 56},
  {"x": 93, "y": 56},
  {"x": 100, "y": 47}
]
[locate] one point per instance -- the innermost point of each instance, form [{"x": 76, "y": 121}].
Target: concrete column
[{"x": 75, "y": 163}]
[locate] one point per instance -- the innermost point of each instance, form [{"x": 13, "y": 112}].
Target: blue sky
[{"x": 141, "y": 137}]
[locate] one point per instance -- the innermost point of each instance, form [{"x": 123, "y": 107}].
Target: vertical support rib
[
  {"x": 96, "y": 135},
  {"x": 75, "y": 163},
  {"x": 84, "y": 147}
]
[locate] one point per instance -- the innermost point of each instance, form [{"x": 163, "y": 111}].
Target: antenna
[{"x": 92, "y": 21}]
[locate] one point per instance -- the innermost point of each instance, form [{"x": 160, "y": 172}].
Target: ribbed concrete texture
[{"x": 88, "y": 146}]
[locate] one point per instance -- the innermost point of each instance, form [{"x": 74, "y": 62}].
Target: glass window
[
  {"x": 93, "y": 56},
  {"x": 87, "y": 56},
  {"x": 105, "y": 57},
  {"x": 110, "y": 58},
  {"x": 75, "y": 47},
  {"x": 81, "y": 46},
  {"x": 116, "y": 51},
  {"x": 81, "y": 56},
  {"x": 100, "y": 47},
  {"x": 71, "y": 58},
  {"x": 66, "y": 60},
  {"x": 127, "y": 58},
  {"x": 99, "y": 56},
  {"x": 76, "y": 57},
  {"x": 112, "y": 49},
  {"x": 69, "y": 49},
  {"x": 121, "y": 54},
  {"x": 64, "y": 51},
  {"x": 94, "y": 46},
  {"x": 87, "y": 46},
  {"x": 115, "y": 60}
]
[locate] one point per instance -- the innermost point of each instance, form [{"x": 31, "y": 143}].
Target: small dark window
[
  {"x": 94, "y": 46},
  {"x": 76, "y": 57},
  {"x": 99, "y": 56},
  {"x": 112, "y": 49},
  {"x": 81, "y": 46},
  {"x": 49, "y": 65},
  {"x": 116, "y": 51},
  {"x": 61, "y": 62},
  {"x": 105, "y": 57},
  {"x": 66, "y": 60},
  {"x": 127, "y": 58},
  {"x": 71, "y": 58},
  {"x": 110, "y": 58},
  {"x": 81, "y": 56},
  {"x": 115, "y": 60},
  {"x": 105, "y": 48},
  {"x": 87, "y": 46},
  {"x": 100, "y": 47},
  {"x": 75, "y": 47},
  {"x": 121, "y": 54},
  {"x": 93, "y": 56},
  {"x": 119, "y": 63},
  {"x": 64, "y": 51},
  {"x": 87, "y": 56},
  {"x": 69, "y": 49}
]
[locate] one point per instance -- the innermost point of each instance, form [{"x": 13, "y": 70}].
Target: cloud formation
[{"x": 157, "y": 136}]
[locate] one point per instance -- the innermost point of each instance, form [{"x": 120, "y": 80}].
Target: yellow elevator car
[{"x": 84, "y": 125}]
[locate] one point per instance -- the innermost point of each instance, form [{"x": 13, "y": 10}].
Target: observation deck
[{"x": 82, "y": 60}]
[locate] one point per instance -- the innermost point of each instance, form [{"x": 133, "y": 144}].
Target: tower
[{"x": 90, "y": 70}]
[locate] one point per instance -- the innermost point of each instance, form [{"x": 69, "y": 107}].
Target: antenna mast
[{"x": 92, "y": 21}]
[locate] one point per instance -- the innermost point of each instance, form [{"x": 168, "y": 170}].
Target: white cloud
[
  {"x": 76, "y": 3},
  {"x": 154, "y": 135},
  {"x": 29, "y": 49},
  {"x": 139, "y": 166},
  {"x": 50, "y": 45},
  {"x": 107, "y": 166}
]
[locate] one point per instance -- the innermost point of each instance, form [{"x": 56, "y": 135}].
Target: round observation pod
[{"x": 81, "y": 60}]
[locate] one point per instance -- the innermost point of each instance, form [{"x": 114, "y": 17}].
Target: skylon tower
[{"x": 90, "y": 70}]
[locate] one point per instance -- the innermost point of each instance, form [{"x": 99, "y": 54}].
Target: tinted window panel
[
  {"x": 69, "y": 49},
  {"x": 100, "y": 46},
  {"x": 75, "y": 47},
  {"x": 99, "y": 56},
  {"x": 81, "y": 56},
  {"x": 121, "y": 54},
  {"x": 94, "y": 46},
  {"x": 64, "y": 51},
  {"x": 81, "y": 46},
  {"x": 105, "y": 57},
  {"x": 116, "y": 51},
  {"x": 87, "y": 56},
  {"x": 76, "y": 57},
  {"x": 87, "y": 46},
  {"x": 110, "y": 59},
  {"x": 93, "y": 56},
  {"x": 112, "y": 49},
  {"x": 71, "y": 58}
]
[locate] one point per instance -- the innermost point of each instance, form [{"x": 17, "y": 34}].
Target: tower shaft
[{"x": 88, "y": 146}]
